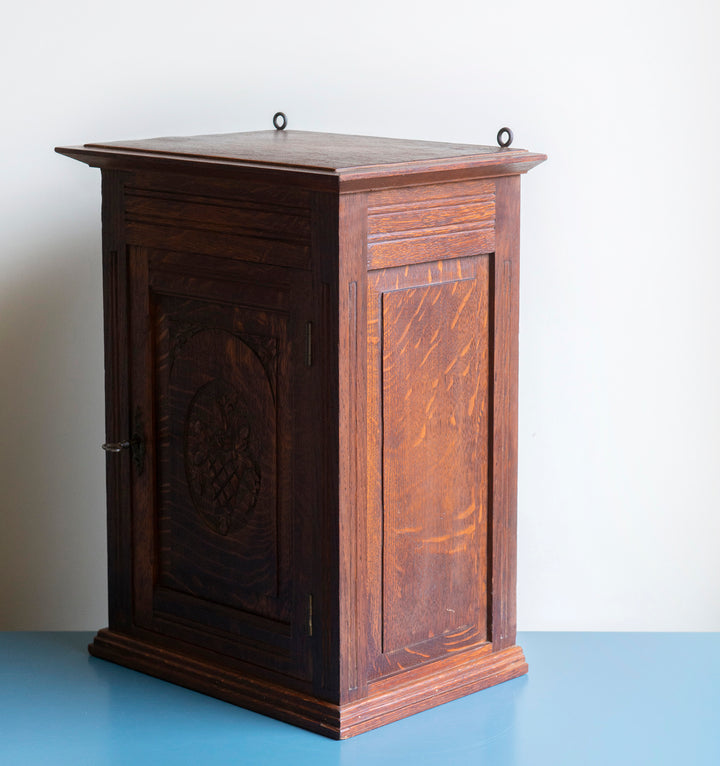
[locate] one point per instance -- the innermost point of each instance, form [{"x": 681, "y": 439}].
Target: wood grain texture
[
  {"x": 434, "y": 457},
  {"x": 449, "y": 681},
  {"x": 323, "y": 457},
  {"x": 353, "y": 542},
  {"x": 428, "y": 416},
  {"x": 213, "y": 348},
  {"x": 223, "y": 511},
  {"x": 427, "y": 223},
  {"x": 443, "y": 682},
  {"x": 117, "y": 406},
  {"x": 315, "y": 340},
  {"x": 321, "y": 161},
  {"x": 256, "y": 222},
  {"x": 307, "y": 150},
  {"x": 505, "y": 414},
  {"x": 141, "y": 510}
]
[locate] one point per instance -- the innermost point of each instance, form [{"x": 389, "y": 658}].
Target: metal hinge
[{"x": 308, "y": 344}]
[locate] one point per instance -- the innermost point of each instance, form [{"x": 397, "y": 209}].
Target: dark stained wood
[
  {"x": 301, "y": 149},
  {"x": 323, "y": 161},
  {"x": 218, "y": 362},
  {"x": 314, "y": 338},
  {"x": 324, "y": 459},
  {"x": 143, "y": 480},
  {"x": 449, "y": 679},
  {"x": 248, "y": 222},
  {"x": 224, "y": 537},
  {"x": 352, "y": 514},
  {"x": 117, "y": 406}
]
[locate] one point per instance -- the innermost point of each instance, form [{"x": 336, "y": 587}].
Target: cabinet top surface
[
  {"x": 294, "y": 148},
  {"x": 329, "y": 154}
]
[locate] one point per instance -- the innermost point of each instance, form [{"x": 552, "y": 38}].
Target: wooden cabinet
[{"x": 311, "y": 375}]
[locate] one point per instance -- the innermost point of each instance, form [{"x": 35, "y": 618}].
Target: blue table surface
[{"x": 590, "y": 698}]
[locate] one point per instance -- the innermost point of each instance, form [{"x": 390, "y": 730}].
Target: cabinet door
[{"x": 221, "y": 389}]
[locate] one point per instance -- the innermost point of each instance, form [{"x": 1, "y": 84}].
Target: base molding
[{"x": 426, "y": 690}]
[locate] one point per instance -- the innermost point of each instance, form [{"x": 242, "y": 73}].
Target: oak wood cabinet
[{"x": 311, "y": 377}]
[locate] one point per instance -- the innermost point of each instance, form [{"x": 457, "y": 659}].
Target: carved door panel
[
  {"x": 220, "y": 359},
  {"x": 429, "y": 380}
]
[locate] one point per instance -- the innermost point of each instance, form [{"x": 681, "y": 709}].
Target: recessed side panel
[
  {"x": 434, "y": 409},
  {"x": 429, "y": 366}
]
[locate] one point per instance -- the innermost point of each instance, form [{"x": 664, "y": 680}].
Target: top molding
[{"x": 334, "y": 161}]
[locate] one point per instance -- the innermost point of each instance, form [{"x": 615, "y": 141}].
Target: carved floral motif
[{"x": 220, "y": 457}]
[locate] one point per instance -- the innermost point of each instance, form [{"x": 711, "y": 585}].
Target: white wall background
[{"x": 619, "y": 487}]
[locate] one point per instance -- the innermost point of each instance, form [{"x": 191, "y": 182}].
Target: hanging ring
[
  {"x": 505, "y": 142},
  {"x": 276, "y": 121}
]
